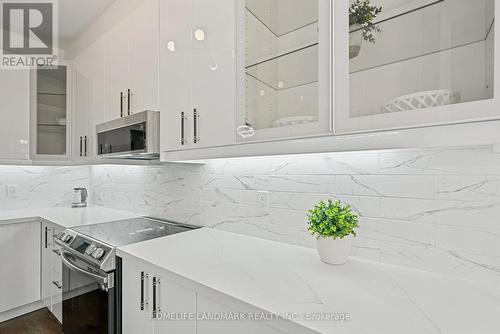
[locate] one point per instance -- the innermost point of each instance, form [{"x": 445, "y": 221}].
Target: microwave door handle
[{"x": 100, "y": 279}]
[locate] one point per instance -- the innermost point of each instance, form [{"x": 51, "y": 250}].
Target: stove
[
  {"x": 92, "y": 272},
  {"x": 97, "y": 243}
]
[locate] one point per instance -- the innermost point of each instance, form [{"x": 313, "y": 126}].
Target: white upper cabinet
[
  {"x": 143, "y": 57},
  {"x": 429, "y": 63},
  {"x": 131, "y": 64},
  {"x": 88, "y": 99},
  {"x": 197, "y": 73},
  {"x": 15, "y": 113},
  {"x": 51, "y": 112},
  {"x": 283, "y": 69},
  {"x": 117, "y": 75}
]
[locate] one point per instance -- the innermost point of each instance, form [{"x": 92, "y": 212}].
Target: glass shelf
[
  {"x": 282, "y": 20},
  {"x": 286, "y": 70},
  {"x": 51, "y": 94},
  {"x": 433, "y": 27},
  {"x": 54, "y": 125}
]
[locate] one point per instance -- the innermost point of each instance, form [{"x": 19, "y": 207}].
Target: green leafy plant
[
  {"x": 332, "y": 220},
  {"x": 363, "y": 13}
]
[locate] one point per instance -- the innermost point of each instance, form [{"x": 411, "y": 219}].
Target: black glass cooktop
[{"x": 129, "y": 231}]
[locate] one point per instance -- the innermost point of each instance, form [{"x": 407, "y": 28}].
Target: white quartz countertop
[
  {"x": 66, "y": 217},
  {"x": 281, "y": 278}
]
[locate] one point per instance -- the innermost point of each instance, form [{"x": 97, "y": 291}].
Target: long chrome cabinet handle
[
  {"x": 85, "y": 145},
  {"x": 46, "y": 233},
  {"x": 81, "y": 146},
  {"x": 144, "y": 277},
  {"x": 129, "y": 95},
  {"x": 156, "y": 289},
  {"x": 196, "y": 115},
  {"x": 183, "y": 121},
  {"x": 121, "y": 104}
]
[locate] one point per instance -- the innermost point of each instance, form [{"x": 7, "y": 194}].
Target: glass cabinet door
[
  {"x": 284, "y": 48},
  {"x": 50, "y": 111},
  {"x": 408, "y": 63}
]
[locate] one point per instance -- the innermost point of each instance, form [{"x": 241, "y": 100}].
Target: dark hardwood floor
[{"x": 38, "y": 322}]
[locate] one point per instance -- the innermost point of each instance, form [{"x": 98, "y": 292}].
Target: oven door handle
[{"x": 100, "y": 279}]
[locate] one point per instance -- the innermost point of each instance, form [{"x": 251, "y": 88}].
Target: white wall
[{"x": 435, "y": 210}]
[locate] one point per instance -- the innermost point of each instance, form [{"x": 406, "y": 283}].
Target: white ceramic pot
[
  {"x": 334, "y": 251},
  {"x": 355, "y": 40}
]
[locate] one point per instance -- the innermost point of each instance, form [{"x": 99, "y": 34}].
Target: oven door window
[
  {"x": 87, "y": 306},
  {"x": 131, "y": 138}
]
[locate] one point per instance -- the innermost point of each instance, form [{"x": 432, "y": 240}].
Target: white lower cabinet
[
  {"x": 136, "y": 288},
  {"x": 146, "y": 291},
  {"x": 184, "y": 307},
  {"x": 51, "y": 270},
  {"x": 20, "y": 259}
]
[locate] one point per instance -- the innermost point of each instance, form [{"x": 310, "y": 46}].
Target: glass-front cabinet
[
  {"x": 411, "y": 63},
  {"x": 283, "y": 68},
  {"x": 50, "y": 128}
]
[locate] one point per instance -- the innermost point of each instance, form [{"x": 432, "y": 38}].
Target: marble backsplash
[
  {"x": 436, "y": 210},
  {"x": 40, "y": 187}
]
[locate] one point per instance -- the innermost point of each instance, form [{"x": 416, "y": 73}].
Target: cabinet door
[
  {"x": 174, "y": 299},
  {"x": 20, "y": 253},
  {"x": 143, "y": 57},
  {"x": 425, "y": 65},
  {"x": 283, "y": 69},
  {"x": 15, "y": 111},
  {"x": 46, "y": 249},
  {"x": 51, "y": 112},
  {"x": 175, "y": 74},
  {"x": 116, "y": 65},
  {"x": 208, "y": 306},
  {"x": 82, "y": 107},
  {"x": 136, "y": 302},
  {"x": 214, "y": 77},
  {"x": 89, "y": 99}
]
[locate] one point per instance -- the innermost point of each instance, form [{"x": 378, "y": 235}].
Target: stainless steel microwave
[{"x": 132, "y": 137}]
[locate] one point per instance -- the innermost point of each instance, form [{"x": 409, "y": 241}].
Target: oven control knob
[
  {"x": 98, "y": 253},
  {"x": 67, "y": 239},
  {"x": 90, "y": 249}
]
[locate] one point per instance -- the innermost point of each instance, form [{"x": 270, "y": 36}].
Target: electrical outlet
[
  {"x": 263, "y": 199},
  {"x": 11, "y": 190}
]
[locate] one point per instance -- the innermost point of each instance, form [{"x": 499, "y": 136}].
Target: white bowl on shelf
[{"x": 422, "y": 100}]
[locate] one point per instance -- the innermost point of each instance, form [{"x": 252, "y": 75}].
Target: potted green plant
[
  {"x": 333, "y": 224},
  {"x": 361, "y": 27}
]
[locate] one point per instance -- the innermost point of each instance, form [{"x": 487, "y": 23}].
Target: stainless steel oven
[
  {"x": 131, "y": 137},
  {"x": 89, "y": 288},
  {"x": 92, "y": 271},
  {"x": 89, "y": 298}
]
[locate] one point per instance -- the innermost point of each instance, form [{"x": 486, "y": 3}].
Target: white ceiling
[{"x": 76, "y": 15}]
